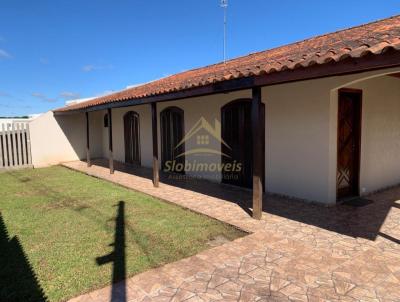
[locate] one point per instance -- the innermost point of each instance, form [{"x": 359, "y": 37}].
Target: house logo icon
[
  {"x": 204, "y": 140},
  {"x": 204, "y": 132}
]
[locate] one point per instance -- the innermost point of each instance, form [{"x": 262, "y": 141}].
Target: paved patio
[{"x": 297, "y": 252}]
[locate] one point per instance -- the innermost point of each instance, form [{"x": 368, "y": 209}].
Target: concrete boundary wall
[{"x": 57, "y": 139}]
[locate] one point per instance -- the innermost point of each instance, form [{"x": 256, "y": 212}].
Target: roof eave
[{"x": 369, "y": 62}]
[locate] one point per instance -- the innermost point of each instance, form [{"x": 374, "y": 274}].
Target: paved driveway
[{"x": 297, "y": 252}]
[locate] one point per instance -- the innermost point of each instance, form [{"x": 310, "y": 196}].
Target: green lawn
[{"x": 55, "y": 223}]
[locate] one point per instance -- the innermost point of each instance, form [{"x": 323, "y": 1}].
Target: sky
[{"x": 54, "y": 51}]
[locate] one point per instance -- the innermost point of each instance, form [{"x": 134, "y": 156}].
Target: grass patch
[{"x": 55, "y": 223}]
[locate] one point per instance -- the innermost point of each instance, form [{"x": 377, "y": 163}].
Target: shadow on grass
[
  {"x": 358, "y": 222},
  {"x": 237, "y": 195},
  {"x": 117, "y": 257},
  {"x": 18, "y": 281}
]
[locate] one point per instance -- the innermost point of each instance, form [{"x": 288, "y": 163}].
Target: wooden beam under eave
[
  {"x": 156, "y": 173},
  {"x": 256, "y": 126},
  {"x": 396, "y": 75},
  {"x": 87, "y": 140},
  {"x": 110, "y": 141}
]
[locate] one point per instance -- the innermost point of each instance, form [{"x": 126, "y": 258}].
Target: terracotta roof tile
[{"x": 372, "y": 38}]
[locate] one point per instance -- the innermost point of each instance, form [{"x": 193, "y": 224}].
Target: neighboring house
[
  {"x": 9, "y": 122},
  {"x": 317, "y": 120}
]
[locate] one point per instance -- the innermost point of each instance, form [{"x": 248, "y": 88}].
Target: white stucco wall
[
  {"x": 301, "y": 133},
  {"x": 56, "y": 139},
  {"x": 95, "y": 134},
  {"x": 146, "y": 153},
  {"x": 297, "y": 135},
  {"x": 208, "y": 107},
  {"x": 194, "y": 109},
  {"x": 297, "y": 139},
  {"x": 380, "y": 133}
]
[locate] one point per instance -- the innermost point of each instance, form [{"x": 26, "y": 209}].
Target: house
[{"x": 316, "y": 120}]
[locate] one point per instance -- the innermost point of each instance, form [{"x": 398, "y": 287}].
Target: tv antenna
[{"x": 224, "y": 5}]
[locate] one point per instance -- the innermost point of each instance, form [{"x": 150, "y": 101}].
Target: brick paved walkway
[{"x": 297, "y": 252}]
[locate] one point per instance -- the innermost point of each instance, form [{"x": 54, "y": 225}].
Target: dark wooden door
[
  {"x": 131, "y": 136},
  {"x": 349, "y": 134},
  {"x": 237, "y": 133},
  {"x": 172, "y": 132}
]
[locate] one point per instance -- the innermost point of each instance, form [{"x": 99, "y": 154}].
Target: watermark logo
[{"x": 205, "y": 140}]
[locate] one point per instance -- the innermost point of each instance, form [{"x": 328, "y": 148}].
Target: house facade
[{"x": 316, "y": 120}]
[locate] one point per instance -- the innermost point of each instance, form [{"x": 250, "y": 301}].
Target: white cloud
[
  {"x": 64, "y": 95},
  {"x": 37, "y": 94},
  {"x": 68, "y": 95},
  {"x": 15, "y": 106},
  {"x": 105, "y": 92},
  {"x": 87, "y": 68},
  {"x": 4, "y": 54},
  {"x": 91, "y": 67},
  {"x": 5, "y": 105},
  {"x": 7, "y": 96},
  {"x": 44, "y": 61},
  {"x": 43, "y": 97}
]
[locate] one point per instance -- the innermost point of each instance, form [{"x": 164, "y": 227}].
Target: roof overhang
[{"x": 388, "y": 59}]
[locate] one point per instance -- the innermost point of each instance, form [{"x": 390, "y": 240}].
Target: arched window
[
  {"x": 132, "y": 137},
  {"x": 172, "y": 131},
  {"x": 237, "y": 133}
]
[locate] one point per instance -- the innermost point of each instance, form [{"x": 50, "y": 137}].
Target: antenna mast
[{"x": 224, "y": 5}]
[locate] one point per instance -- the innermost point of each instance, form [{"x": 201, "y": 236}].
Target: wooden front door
[
  {"x": 237, "y": 134},
  {"x": 132, "y": 138},
  {"x": 172, "y": 130},
  {"x": 349, "y": 137}
]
